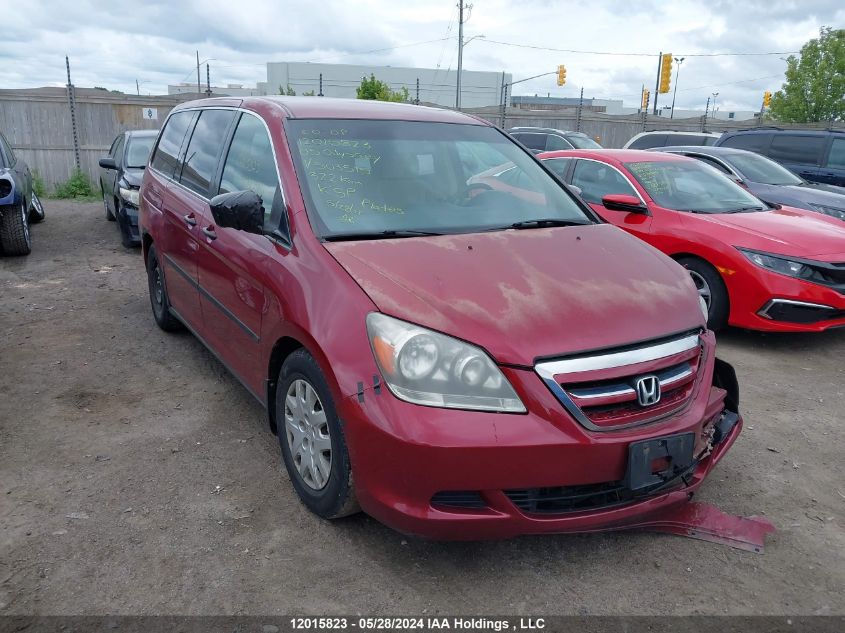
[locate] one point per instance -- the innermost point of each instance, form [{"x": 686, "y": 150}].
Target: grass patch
[
  {"x": 38, "y": 185},
  {"x": 77, "y": 186}
]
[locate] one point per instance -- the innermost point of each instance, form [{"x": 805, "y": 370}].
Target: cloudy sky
[{"x": 114, "y": 43}]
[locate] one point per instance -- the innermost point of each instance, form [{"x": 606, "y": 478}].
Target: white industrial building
[
  {"x": 229, "y": 90},
  {"x": 436, "y": 85}
]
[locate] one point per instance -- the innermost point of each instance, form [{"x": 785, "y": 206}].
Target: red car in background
[
  {"x": 757, "y": 266},
  {"x": 458, "y": 362}
]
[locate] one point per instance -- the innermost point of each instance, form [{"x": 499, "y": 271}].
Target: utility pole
[
  {"x": 679, "y": 61},
  {"x": 460, "y": 52},
  {"x": 199, "y": 90},
  {"x": 657, "y": 81},
  {"x": 71, "y": 99},
  {"x": 137, "y": 88},
  {"x": 207, "y": 81}
]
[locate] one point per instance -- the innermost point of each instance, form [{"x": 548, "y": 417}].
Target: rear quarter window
[
  {"x": 752, "y": 142},
  {"x": 166, "y": 156},
  {"x": 649, "y": 140},
  {"x": 792, "y": 148}
]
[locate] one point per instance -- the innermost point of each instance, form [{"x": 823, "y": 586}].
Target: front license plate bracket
[{"x": 654, "y": 462}]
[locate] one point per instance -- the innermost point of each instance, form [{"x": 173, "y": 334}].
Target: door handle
[
  {"x": 209, "y": 233},
  {"x": 190, "y": 219}
]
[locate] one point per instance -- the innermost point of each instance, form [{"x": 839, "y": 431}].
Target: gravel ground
[{"x": 138, "y": 477}]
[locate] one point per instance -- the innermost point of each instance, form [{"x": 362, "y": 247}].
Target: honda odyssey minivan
[{"x": 453, "y": 360}]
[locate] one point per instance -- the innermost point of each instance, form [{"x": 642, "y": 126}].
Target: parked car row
[
  {"x": 458, "y": 359},
  {"x": 815, "y": 155}
]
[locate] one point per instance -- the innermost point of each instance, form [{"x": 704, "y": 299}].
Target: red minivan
[{"x": 456, "y": 361}]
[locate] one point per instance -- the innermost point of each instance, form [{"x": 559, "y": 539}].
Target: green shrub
[
  {"x": 38, "y": 185},
  {"x": 77, "y": 186}
]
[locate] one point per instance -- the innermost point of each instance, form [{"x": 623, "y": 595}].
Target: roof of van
[{"x": 331, "y": 108}]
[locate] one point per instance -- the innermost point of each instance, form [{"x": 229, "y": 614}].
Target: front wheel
[
  {"x": 109, "y": 215},
  {"x": 312, "y": 441},
  {"x": 36, "y": 210},
  {"x": 711, "y": 288}
]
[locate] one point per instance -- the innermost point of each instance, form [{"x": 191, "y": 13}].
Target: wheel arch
[
  {"x": 282, "y": 348},
  {"x": 689, "y": 255}
]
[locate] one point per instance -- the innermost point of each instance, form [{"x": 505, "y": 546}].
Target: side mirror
[
  {"x": 623, "y": 202},
  {"x": 575, "y": 190},
  {"x": 241, "y": 210},
  {"x": 108, "y": 163}
]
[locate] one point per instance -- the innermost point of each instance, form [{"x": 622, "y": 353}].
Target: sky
[{"x": 113, "y": 44}]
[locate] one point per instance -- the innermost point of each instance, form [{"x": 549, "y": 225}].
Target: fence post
[
  {"x": 417, "y": 99},
  {"x": 504, "y": 106},
  {"x": 580, "y": 105},
  {"x": 71, "y": 100},
  {"x": 320, "y": 94}
]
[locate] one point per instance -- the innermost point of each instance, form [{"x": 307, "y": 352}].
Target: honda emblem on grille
[{"x": 648, "y": 390}]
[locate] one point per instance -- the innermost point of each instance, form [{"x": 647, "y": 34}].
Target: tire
[
  {"x": 36, "y": 210},
  {"x": 14, "y": 230},
  {"x": 125, "y": 238},
  {"x": 109, "y": 215},
  {"x": 158, "y": 294},
  {"x": 306, "y": 433},
  {"x": 711, "y": 288}
]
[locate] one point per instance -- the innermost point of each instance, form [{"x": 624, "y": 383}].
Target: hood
[
  {"x": 133, "y": 177},
  {"x": 786, "y": 231},
  {"x": 801, "y": 196},
  {"x": 527, "y": 294}
]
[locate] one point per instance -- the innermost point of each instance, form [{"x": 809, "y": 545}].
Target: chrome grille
[{"x": 599, "y": 389}]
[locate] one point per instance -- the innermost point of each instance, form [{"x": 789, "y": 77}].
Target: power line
[{"x": 609, "y": 53}]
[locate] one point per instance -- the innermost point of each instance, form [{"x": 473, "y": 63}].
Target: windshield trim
[{"x": 313, "y": 216}]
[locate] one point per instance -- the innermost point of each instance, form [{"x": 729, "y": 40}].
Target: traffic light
[
  {"x": 767, "y": 98},
  {"x": 561, "y": 75},
  {"x": 645, "y": 99},
  {"x": 665, "y": 73}
]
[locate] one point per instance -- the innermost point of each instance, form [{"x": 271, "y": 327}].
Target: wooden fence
[{"x": 37, "y": 124}]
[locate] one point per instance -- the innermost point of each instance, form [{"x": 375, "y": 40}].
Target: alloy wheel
[
  {"x": 25, "y": 221},
  {"x": 702, "y": 286},
  {"x": 307, "y": 431}
]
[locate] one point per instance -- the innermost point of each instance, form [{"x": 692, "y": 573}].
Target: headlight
[
  {"x": 429, "y": 368},
  {"x": 130, "y": 195},
  {"x": 779, "y": 264},
  {"x": 703, "y": 305},
  {"x": 831, "y": 211}
]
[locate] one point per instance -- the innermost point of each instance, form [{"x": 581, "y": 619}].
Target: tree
[
  {"x": 814, "y": 90},
  {"x": 374, "y": 89},
  {"x": 290, "y": 92}
]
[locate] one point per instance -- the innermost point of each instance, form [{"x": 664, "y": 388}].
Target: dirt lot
[{"x": 138, "y": 477}]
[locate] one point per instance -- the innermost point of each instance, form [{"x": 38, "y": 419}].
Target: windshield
[
  {"x": 138, "y": 150},
  {"x": 583, "y": 142},
  {"x": 688, "y": 185},
  {"x": 364, "y": 178},
  {"x": 756, "y": 168}
]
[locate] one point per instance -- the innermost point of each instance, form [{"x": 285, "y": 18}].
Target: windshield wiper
[
  {"x": 544, "y": 222},
  {"x": 743, "y": 209},
  {"x": 377, "y": 235}
]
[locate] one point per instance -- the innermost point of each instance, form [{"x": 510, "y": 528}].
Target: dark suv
[
  {"x": 547, "y": 139},
  {"x": 815, "y": 155}
]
